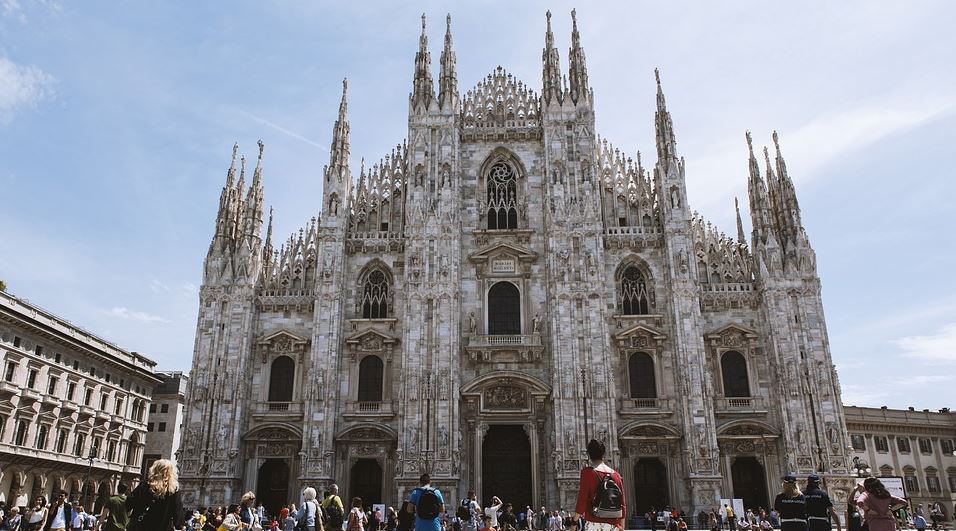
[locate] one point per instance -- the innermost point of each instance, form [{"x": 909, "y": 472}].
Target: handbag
[
  {"x": 300, "y": 522},
  {"x": 135, "y": 523}
]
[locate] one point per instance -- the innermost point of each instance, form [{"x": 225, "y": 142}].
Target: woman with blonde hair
[
  {"x": 791, "y": 505},
  {"x": 155, "y": 503},
  {"x": 247, "y": 512}
]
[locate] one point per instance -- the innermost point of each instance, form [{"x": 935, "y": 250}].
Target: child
[{"x": 486, "y": 519}]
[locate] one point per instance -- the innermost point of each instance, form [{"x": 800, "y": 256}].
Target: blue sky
[{"x": 117, "y": 120}]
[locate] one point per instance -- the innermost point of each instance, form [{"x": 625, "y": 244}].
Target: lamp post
[
  {"x": 862, "y": 468},
  {"x": 89, "y": 470}
]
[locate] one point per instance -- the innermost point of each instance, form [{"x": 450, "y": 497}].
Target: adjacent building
[
  {"x": 915, "y": 445},
  {"x": 498, "y": 289},
  {"x": 164, "y": 424},
  {"x": 72, "y": 407}
]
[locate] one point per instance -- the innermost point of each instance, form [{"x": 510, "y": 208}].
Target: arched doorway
[
  {"x": 750, "y": 483},
  {"x": 272, "y": 485},
  {"x": 650, "y": 483},
  {"x": 366, "y": 481},
  {"x": 506, "y": 465}
]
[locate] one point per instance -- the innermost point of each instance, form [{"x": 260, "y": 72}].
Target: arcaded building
[{"x": 501, "y": 287}]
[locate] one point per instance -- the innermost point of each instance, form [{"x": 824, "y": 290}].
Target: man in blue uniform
[{"x": 819, "y": 506}]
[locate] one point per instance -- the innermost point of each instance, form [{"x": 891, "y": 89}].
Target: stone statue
[
  {"x": 472, "y": 322},
  {"x": 535, "y": 324}
]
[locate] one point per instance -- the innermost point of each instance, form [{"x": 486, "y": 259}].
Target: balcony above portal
[{"x": 518, "y": 348}]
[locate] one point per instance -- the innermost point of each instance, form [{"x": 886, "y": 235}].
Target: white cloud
[
  {"x": 939, "y": 347},
  {"x": 12, "y": 9},
  {"x": 126, "y": 313},
  {"x": 21, "y": 86}
]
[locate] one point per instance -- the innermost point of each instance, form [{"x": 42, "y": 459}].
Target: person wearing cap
[
  {"x": 791, "y": 505},
  {"x": 819, "y": 507}
]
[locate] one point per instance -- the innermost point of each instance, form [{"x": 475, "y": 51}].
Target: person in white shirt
[
  {"x": 492, "y": 511},
  {"x": 80, "y": 519},
  {"x": 60, "y": 514}
]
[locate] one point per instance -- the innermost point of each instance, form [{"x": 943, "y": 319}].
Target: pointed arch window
[
  {"x": 733, "y": 368},
  {"x": 502, "y": 188},
  {"x": 504, "y": 309},
  {"x": 640, "y": 370},
  {"x": 281, "y": 379},
  {"x": 375, "y": 295},
  {"x": 634, "y": 298},
  {"x": 371, "y": 379}
]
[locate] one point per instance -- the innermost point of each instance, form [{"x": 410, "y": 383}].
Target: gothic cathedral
[{"x": 500, "y": 288}]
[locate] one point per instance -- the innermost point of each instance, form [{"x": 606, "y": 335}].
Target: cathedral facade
[{"x": 496, "y": 291}]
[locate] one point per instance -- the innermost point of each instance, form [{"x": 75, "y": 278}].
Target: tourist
[
  {"x": 12, "y": 519},
  {"x": 819, "y": 507},
  {"x": 232, "y": 521},
  {"x": 878, "y": 505},
  {"x": 214, "y": 520},
  {"x": 486, "y": 520},
  {"x": 286, "y": 520},
  {"x": 59, "y": 514},
  {"x": 791, "y": 505},
  {"x": 919, "y": 522},
  {"x": 529, "y": 517},
  {"x": 333, "y": 508},
  {"x": 247, "y": 512},
  {"x": 714, "y": 521},
  {"x": 774, "y": 517},
  {"x": 429, "y": 504},
  {"x": 406, "y": 516},
  {"x": 507, "y": 519},
  {"x": 309, "y": 517},
  {"x": 544, "y": 520},
  {"x": 729, "y": 520},
  {"x": 681, "y": 524},
  {"x": 492, "y": 510},
  {"x": 79, "y": 519},
  {"x": 936, "y": 514},
  {"x": 600, "y": 493},
  {"x": 155, "y": 503},
  {"x": 468, "y": 511},
  {"x": 357, "y": 518},
  {"x": 113, "y": 515}
]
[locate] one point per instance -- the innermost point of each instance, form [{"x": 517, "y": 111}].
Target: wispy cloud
[
  {"x": 283, "y": 130},
  {"x": 939, "y": 347},
  {"x": 12, "y": 9},
  {"x": 21, "y": 86},
  {"x": 126, "y": 313}
]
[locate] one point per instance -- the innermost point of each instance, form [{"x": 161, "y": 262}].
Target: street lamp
[
  {"x": 89, "y": 470},
  {"x": 862, "y": 468}
]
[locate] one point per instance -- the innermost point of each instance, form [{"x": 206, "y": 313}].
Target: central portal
[
  {"x": 272, "y": 486},
  {"x": 506, "y": 466},
  {"x": 366, "y": 481}
]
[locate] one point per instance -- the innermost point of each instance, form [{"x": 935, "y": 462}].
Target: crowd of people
[{"x": 155, "y": 505}]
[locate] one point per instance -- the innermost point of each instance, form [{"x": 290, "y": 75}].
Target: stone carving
[
  {"x": 472, "y": 322},
  {"x": 505, "y": 397}
]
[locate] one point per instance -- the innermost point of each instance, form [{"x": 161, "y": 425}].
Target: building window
[
  {"x": 502, "y": 197},
  {"x": 103, "y": 397},
  {"x": 903, "y": 444},
  {"x": 92, "y": 371},
  {"x": 149, "y": 426},
  {"x": 281, "y": 379},
  {"x": 111, "y": 451},
  {"x": 20, "y": 437},
  {"x": 61, "y": 442},
  {"x": 164, "y": 408},
  {"x": 733, "y": 368},
  {"x": 32, "y": 378},
  {"x": 70, "y": 390},
  {"x": 16, "y": 341},
  {"x": 95, "y": 450},
  {"x": 947, "y": 446},
  {"x": 40, "y": 443},
  {"x": 882, "y": 445},
  {"x": 925, "y": 446},
  {"x": 911, "y": 484},
  {"x": 38, "y": 350},
  {"x": 370, "y": 379},
  {"x": 640, "y": 369},
  {"x": 131, "y": 450},
  {"x": 886, "y": 471},
  {"x": 119, "y": 406},
  {"x": 152, "y": 408},
  {"x": 57, "y": 357},
  {"x": 78, "y": 445},
  {"x": 952, "y": 480},
  {"x": 51, "y": 385},
  {"x": 504, "y": 309},
  {"x": 87, "y": 397},
  {"x": 10, "y": 372},
  {"x": 634, "y": 297},
  {"x": 162, "y": 426},
  {"x": 375, "y": 295},
  {"x": 76, "y": 365},
  {"x": 858, "y": 442},
  {"x": 932, "y": 483},
  {"x": 108, "y": 377}
]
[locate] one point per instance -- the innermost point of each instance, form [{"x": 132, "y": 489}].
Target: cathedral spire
[
  {"x": 231, "y": 174},
  {"x": 337, "y": 175},
  {"x": 578, "y": 70},
  {"x": 448, "y": 77},
  {"x": 551, "y": 71},
  {"x": 253, "y": 211},
  {"x": 423, "y": 91},
  {"x": 267, "y": 248},
  {"x": 759, "y": 200},
  {"x": 666, "y": 142},
  {"x": 788, "y": 204},
  {"x": 741, "y": 238}
]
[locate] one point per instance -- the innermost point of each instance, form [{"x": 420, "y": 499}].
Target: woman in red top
[{"x": 590, "y": 477}]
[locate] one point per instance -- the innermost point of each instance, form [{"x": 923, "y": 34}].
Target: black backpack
[
  {"x": 334, "y": 513},
  {"x": 428, "y": 505},
  {"x": 464, "y": 510},
  {"x": 607, "y": 498}
]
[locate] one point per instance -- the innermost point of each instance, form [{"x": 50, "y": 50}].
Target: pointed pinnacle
[
  {"x": 235, "y": 150},
  {"x": 574, "y": 19},
  {"x": 657, "y": 76},
  {"x": 262, "y": 146},
  {"x": 776, "y": 141},
  {"x": 448, "y": 23},
  {"x": 750, "y": 143}
]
